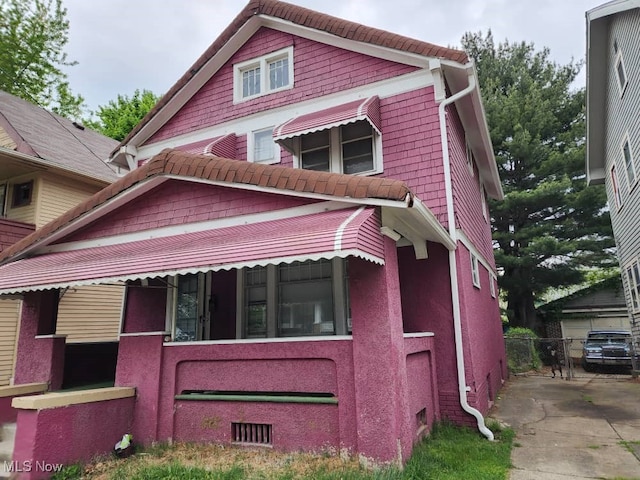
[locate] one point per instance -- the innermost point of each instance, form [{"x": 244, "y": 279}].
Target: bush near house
[{"x": 522, "y": 352}]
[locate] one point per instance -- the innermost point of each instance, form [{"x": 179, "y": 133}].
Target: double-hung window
[
  {"x": 627, "y": 156},
  {"x": 615, "y": 186},
  {"x": 633, "y": 283},
  {"x": 350, "y": 148},
  {"x": 262, "y": 148},
  {"x": 475, "y": 271},
  {"x": 290, "y": 300},
  {"x": 22, "y": 193},
  {"x": 620, "y": 71},
  {"x": 263, "y": 75}
]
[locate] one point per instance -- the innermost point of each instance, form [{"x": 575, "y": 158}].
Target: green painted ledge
[{"x": 204, "y": 397}]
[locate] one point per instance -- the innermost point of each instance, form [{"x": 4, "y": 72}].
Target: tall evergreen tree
[
  {"x": 33, "y": 34},
  {"x": 550, "y": 228}
]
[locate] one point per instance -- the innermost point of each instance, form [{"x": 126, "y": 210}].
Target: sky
[{"x": 124, "y": 45}]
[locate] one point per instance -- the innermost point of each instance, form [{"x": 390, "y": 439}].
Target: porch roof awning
[
  {"x": 366, "y": 109},
  {"x": 335, "y": 233},
  {"x": 223, "y": 146}
]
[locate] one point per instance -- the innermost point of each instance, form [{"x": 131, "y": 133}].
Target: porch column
[
  {"x": 380, "y": 370},
  {"x": 40, "y": 355},
  {"x": 140, "y": 354}
]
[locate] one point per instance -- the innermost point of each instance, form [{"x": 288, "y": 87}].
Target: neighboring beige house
[
  {"x": 598, "y": 307},
  {"x": 49, "y": 164}
]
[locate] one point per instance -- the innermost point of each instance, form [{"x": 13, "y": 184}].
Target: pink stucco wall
[
  {"x": 385, "y": 426},
  {"x": 145, "y": 307},
  {"x": 422, "y": 382},
  {"x": 38, "y": 317},
  {"x": 176, "y": 202},
  {"x": 318, "y": 70},
  {"x": 68, "y": 434},
  {"x": 298, "y": 366},
  {"x": 426, "y": 304}
]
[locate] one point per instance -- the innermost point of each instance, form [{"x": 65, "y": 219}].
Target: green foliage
[
  {"x": 118, "y": 117},
  {"x": 522, "y": 352},
  {"x": 33, "y": 34},
  {"x": 452, "y": 452},
  {"x": 68, "y": 472},
  {"x": 550, "y": 226}
]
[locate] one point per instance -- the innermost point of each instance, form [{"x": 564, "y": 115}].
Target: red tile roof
[
  {"x": 207, "y": 167},
  {"x": 311, "y": 19}
]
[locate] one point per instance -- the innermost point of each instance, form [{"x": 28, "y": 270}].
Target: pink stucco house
[{"x": 306, "y": 246}]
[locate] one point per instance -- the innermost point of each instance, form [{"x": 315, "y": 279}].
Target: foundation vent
[{"x": 251, "y": 433}]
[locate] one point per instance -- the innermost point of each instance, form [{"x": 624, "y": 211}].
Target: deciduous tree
[
  {"x": 550, "y": 228},
  {"x": 118, "y": 117},
  {"x": 33, "y": 35}
]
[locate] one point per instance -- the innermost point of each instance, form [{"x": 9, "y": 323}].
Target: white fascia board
[
  {"x": 611, "y": 8},
  {"x": 240, "y": 38},
  {"x": 90, "y": 216},
  {"x": 369, "y": 49},
  {"x": 44, "y": 164},
  {"x": 276, "y": 116},
  {"x": 473, "y": 118},
  {"x": 197, "y": 81}
]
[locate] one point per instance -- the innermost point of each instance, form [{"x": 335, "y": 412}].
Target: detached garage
[{"x": 600, "y": 306}]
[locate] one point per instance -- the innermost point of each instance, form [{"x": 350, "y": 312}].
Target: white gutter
[{"x": 453, "y": 271}]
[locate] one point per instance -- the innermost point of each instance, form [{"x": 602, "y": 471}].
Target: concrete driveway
[{"x": 585, "y": 428}]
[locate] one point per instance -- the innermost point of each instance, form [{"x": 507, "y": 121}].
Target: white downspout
[{"x": 453, "y": 271}]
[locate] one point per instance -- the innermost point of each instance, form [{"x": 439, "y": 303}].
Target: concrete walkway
[{"x": 585, "y": 428}]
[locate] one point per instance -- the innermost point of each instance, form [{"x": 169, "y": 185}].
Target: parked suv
[{"x": 606, "y": 347}]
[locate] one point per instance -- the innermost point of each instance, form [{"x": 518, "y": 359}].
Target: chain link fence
[
  {"x": 561, "y": 357},
  {"x": 542, "y": 356}
]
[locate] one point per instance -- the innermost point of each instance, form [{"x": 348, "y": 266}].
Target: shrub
[{"x": 522, "y": 352}]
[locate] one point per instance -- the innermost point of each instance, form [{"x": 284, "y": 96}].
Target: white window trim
[
  {"x": 632, "y": 284},
  {"x": 470, "y": 157},
  {"x": 261, "y": 62},
  {"x": 339, "y": 302},
  {"x": 615, "y": 186},
  {"x": 485, "y": 207},
  {"x": 630, "y": 183},
  {"x": 618, "y": 60},
  {"x": 251, "y": 148},
  {"x": 475, "y": 271},
  {"x": 335, "y": 162},
  {"x": 492, "y": 285}
]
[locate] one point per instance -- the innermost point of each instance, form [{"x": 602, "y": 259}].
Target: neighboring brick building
[{"x": 307, "y": 253}]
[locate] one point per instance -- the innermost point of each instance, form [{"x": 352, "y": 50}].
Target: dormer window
[{"x": 261, "y": 76}]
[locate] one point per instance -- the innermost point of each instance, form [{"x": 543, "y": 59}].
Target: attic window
[
  {"x": 22, "y": 194},
  {"x": 261, "y": 76}
]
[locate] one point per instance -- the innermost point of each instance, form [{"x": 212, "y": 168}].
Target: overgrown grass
[{"x": 449, "y": 453}]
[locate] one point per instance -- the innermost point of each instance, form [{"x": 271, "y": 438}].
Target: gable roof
[
  {"x": 305, "y": 18},
  {"x": 56, "y": 141},
  {"x": 597, "y": 68},
  {"x": 187, "y": 166}
]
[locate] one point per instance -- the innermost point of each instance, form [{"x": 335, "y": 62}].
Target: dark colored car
[{"x": 607, "y": 347}]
